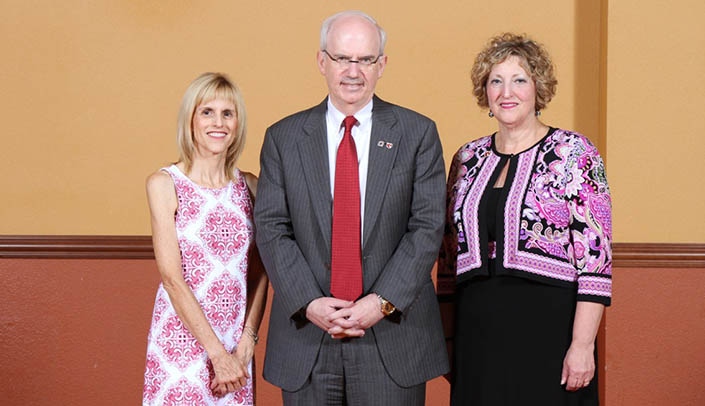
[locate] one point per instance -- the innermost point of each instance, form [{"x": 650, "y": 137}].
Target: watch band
[{"x": 386, "y": 306}]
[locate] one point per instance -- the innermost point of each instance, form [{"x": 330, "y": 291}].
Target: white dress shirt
[{"x": 361, "y": 133}]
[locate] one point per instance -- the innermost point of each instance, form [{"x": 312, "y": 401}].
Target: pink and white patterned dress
[{"x": 215, "y": 230}]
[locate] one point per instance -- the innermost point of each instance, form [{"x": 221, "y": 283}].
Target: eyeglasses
[{"x": 346, "y": 61}]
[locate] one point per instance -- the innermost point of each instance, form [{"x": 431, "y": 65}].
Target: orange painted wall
[
  {"x": 74, "y": 332},
  {"x": 91, "y": 89},
  {"x": 655, "y": 338},
  {"x": 655, "y": 143}
]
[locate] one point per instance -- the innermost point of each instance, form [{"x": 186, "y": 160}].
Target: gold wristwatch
[{"x": 385, "y": 306}]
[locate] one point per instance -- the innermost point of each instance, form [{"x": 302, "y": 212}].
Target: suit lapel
[
  {"x": 313, "y": 152},
  {"x": 384, "y": 144}
]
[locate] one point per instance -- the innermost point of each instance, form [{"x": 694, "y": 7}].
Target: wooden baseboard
[{"x": 626, "y": 255}]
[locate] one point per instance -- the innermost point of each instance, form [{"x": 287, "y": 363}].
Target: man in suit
[{"x": 379, "y": 344}]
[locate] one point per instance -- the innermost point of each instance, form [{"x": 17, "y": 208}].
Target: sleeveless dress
[{"x": 215, "y": 230}]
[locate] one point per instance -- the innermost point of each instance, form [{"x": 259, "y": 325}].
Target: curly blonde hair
[{"x": 533, "y": 57}]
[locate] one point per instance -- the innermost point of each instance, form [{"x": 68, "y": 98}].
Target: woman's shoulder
[
  {"x": 477, "y": 143},
  {"x": 251, "y": 180},
  {"x": 573, "y": 143},
  {"x": 161, "y": 189},
  {"x": 471, "y": 146},
  {"x": 570, "y": 137},
  {"x": 160, "y": 178}
]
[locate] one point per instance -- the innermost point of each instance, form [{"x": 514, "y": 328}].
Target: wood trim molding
[
  {"x": 658, "y": 255},
  {"x": 76, "y": 247},
  {"x": 626, "y": 255}
]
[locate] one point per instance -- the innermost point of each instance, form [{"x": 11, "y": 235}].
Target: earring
[
  {"x": 537, "y": 113},
  {"x": 491, "y": 114}
]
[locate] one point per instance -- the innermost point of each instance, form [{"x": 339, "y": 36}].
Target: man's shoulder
[
  {"x": 298, "y": 119},
  {"x": 402, "y": 112}
]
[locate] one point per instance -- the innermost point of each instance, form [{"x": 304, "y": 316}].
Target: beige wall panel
[
  {"x": 655, "y": 126},
  {"x": 91, "y": 89}
]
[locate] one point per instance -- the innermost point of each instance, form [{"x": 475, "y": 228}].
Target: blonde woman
[{"x": 212, "y": 297}]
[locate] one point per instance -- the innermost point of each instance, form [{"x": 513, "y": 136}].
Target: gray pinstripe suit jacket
[{"x": 403, "y": 225}]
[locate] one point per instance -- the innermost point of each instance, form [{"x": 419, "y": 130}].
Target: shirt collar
[{"x": 363, "y": 116}]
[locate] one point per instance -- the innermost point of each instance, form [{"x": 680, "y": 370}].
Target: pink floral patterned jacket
[{"x": 557, "y": 224}]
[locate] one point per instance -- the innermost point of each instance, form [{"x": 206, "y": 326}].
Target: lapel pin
[
  {"x": 380, "y": 143},
  {"x": 389, "y": 145}
]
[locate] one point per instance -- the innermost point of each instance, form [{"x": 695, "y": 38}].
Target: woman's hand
[
  {"x": 230, "y": 374},
  {"x": 579, "y": 361},
  {"x": 578, "y": 366},
  {"x": 244, "y": 352}
]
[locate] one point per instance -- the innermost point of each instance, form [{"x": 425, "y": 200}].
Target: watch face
[{"x": 387, "y": 308}]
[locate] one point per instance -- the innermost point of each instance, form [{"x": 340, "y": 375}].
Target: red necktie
[{"x": 346, "y": 257}]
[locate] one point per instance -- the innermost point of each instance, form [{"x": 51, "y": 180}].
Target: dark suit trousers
[{"x": 350, "y": 372}]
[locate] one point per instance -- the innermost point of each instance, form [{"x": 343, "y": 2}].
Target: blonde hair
[
  {"x": 533, "y": 57},
  {"x": 207, "y": 87}
]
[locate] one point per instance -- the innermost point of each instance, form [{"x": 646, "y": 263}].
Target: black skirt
[{"x": 511, "y": 337}]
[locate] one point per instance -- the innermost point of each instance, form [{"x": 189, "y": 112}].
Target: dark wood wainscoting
[
  {"x": 76, "y": 247},
  {"x": 626, "y": 255}
]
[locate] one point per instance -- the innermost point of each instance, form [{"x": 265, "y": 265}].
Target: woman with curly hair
[{"x": 526, "y": 260}]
